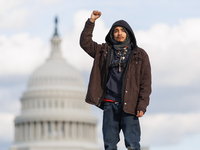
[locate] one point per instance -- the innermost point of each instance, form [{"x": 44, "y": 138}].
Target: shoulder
[
  {"x": 105, "y": 46},
  {"x": 141, "y": 52}
]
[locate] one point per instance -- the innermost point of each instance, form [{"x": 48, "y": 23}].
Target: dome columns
[{"x": 55, "y": 130}]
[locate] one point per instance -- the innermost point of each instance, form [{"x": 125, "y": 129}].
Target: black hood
[{"x": 124, "y": 24}]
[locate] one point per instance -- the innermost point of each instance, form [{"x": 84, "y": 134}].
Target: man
[{"x": 120, "y": 81}]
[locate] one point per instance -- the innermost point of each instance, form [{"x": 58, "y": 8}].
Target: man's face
[{"x": 119, "y": 34}]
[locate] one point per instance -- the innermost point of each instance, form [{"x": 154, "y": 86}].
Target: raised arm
[{"x": 86, "y": 41}]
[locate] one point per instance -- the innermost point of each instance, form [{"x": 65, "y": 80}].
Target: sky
[{"x": 169, "y": 31}]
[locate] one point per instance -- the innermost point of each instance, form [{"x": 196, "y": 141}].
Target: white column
[
  {"x": 45, "y": 128},
  {"x": 80, "y": 130},
  {"x": 26, "y": 132},
  {"x": 52, "y": 130},
  {"x": 31, "y": 131},
  {"x": 74, "y": 130},
  {"x": 59, "y": 129},
  {"x": 94, "y": 132},
  {"x": 22, "y": 132},
  {"x": 83, "y": 131},
  {"x": 63, "y": 129},
  {"x": 49, "y": 129},
  {"x": 16, "y": 132},
  {"x": 89, "y": 131},
  {"x": 67, "y": 130},
  {"x": 38, "y": 130}
]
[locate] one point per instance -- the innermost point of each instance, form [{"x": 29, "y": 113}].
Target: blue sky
[{"x": 168, "y": 30}]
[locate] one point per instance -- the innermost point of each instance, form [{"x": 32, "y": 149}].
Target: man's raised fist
[{"x": 95, "y": 15}]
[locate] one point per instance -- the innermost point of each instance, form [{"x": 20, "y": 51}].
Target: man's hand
[
  {"x": 140, "y": 113},
  {"x": 95, "y": 15}
]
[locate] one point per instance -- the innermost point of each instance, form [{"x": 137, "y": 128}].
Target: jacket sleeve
[
  {"x": 145, "y": 84},
  {"x": 86, "y": 42}
]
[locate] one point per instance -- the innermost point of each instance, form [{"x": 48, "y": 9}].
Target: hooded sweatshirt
[
  {"x": 124, "y": 24},
  {"x": 114, "y": 83}
]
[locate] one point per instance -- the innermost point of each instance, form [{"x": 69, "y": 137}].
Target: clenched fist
[{"x": 95, "y": 15}]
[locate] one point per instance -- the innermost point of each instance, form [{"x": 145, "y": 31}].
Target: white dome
[
  {"x": 56, "y": 72},
  {"x": 54, "y": 87},
  {"x": 53, "y": 111}
]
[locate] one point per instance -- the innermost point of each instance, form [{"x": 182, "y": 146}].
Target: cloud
[
  {"x": 174, "y": 99},
  {"x": 167, "y": 129},
  {"x": 6, "y": 127},
  {"x": 13, "y": 15},
  {"x": 49, "y": 2},
  {"x": 9, "y": 99},
  {"x": 12, "y": 88},
  {"x": 20, "y": 54},
  {"x": 174, "y": 52}
]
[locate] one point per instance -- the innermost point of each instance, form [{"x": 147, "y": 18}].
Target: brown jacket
[{"x": 136, "y": 87}]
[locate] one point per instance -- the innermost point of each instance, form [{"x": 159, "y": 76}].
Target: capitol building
[{"x": 54, "y": 114}]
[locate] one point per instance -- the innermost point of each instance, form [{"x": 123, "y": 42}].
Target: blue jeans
[{"x": 115, "y": 119}]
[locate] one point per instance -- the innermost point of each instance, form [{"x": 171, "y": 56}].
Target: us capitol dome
[{"x": 54, "y": 115}]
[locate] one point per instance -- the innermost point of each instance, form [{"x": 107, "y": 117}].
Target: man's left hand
[{"x": 140, "y": 113}]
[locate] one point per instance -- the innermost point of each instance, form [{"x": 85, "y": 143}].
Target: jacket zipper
[{"x": 124, "y": 77}]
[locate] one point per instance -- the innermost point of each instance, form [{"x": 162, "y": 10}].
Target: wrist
[{"x": 92, "y": 20}]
